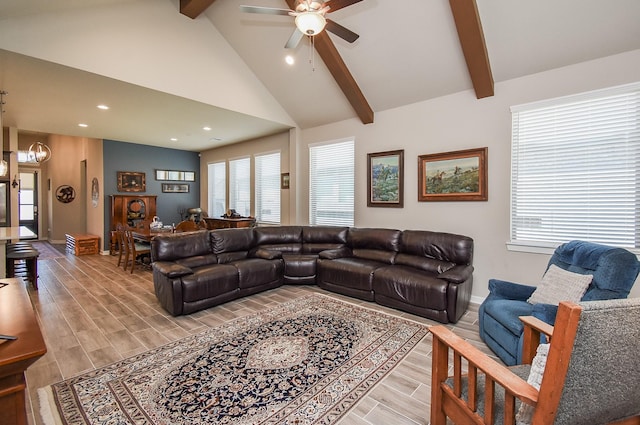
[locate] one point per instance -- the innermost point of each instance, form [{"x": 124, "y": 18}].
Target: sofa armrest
[
  {"x": 457, "y": 274},
  {"x": 171, "y": 269},
  {"x": 509, "y": 290},
  {"x": 333, "y": 254},
  {"x": 265, "y": 254}
]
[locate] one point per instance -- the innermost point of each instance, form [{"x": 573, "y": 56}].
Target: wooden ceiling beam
[
  {"x": 193, "y": 8},
  {"x": 338, "y": 69},
  {"x": 474, "y": 48},
  {"x": 329, "y": 54}
]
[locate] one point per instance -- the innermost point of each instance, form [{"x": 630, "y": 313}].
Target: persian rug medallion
[{"x": 307, "y": 361}]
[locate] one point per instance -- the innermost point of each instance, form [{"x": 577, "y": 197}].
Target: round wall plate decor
[{"x": 65, "y": 193}]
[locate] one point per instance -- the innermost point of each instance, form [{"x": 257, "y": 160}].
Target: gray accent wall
[{"x": 121, "y": 156}]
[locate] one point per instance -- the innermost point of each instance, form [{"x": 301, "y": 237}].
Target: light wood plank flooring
[{"x": 92, "y": 313}]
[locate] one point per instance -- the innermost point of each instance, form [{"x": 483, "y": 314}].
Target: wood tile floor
[{"x": 92, "y": 313}]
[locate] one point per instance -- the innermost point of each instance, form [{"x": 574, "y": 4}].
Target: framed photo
[
  {"x": 284, "y": 181},
  {"x": 175, "y": 188},
  {"x": 453, "y": 176},
  {"x": 129, "y": 181},
  {"x": 385, "y": 181},
  {"x": 175, "y": 175}
]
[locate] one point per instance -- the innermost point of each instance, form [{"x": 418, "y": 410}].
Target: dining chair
[{"x": 134, "y": 250}]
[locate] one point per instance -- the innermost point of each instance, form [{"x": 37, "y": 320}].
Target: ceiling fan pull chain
[{"x": 312, "y": 59}]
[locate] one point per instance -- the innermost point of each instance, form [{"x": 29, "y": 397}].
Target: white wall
[{"x": 455, "y": 122}]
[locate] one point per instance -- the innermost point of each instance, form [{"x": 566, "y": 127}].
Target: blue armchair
[{"x": 614, "y": 272}]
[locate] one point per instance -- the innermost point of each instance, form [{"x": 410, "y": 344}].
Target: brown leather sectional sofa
[{"x": 422, "y": 272}]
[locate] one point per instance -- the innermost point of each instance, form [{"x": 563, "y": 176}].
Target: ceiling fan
[{"x": 310, "y": 18}]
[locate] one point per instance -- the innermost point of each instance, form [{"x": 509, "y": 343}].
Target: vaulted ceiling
[{"x": 407, "y": 52}]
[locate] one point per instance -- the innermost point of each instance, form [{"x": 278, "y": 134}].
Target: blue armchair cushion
[{"x": 560, "y": 285}]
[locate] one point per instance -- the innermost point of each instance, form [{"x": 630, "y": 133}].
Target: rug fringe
[{"x": 46, "y": 401}]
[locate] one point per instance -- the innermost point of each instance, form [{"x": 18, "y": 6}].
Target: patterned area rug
[{"x": 307, "y": 361}]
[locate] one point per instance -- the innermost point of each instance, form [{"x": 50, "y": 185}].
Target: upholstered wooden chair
[
  {"x": 121, "y": 241},
  {"x": 134, "y": 251},
  {"x": 591, "y": 377}
]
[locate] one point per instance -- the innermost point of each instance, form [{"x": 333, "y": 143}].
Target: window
[
  {"x": 240, "y": 186},
  {"x": 217, "y": 188},
  {"x": 331, "y": 184},
  {"x": 268, "y": 188},
  {"x": 576, "y": 169}
]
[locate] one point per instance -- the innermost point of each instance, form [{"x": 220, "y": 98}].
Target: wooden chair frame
[{"x": 447, "y": 401}]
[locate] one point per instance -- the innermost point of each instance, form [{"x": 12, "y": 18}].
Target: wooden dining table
[{"x": 146, "y": 235}]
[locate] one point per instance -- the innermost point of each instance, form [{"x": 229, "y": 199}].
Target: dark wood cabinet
[
  {"x": 132, "y": 209},
  {"x": 229, "y": 223}
]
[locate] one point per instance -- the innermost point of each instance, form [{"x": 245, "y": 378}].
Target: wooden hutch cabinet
[{"x": 132, "y": 209}]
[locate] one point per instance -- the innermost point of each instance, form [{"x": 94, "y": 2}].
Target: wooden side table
[{"x": 81, "y": 244}]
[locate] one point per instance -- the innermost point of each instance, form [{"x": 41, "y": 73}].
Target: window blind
[
  {"x": 267, "y": 188},
  {"x": 331, "y": 184},
  {"x": 240, "y": 186},
  {"x": 217, "y": 188},
  {"x": 575, "y": 169}
]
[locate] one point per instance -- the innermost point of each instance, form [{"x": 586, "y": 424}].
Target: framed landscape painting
[
  {"x": 385, "y": 182},
  {"x": 453, "y": 176}
]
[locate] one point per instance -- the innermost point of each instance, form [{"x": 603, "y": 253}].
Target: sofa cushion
[
  {"x": 423, "y": 263},
  {"x": 172, "y": 246},
  {"x": 411, "y": 286},
  {"x": 446, "y": 247},
  {"x": 208, "y": 282},
  {"x": 378, "y": 239},
  {"x": 231, "y": 240},
  {"x": 385, "y": 257},
  {"x": 525, "y": 412},
  {"x": 355, "y": 273},
  {"x": 321, "y": 238},
  {"x": 560, "y": 285},
  {"x": 198, "y": 260},
  {"x": 256, "y": 272},
  {"x": 281, "y": 238}
]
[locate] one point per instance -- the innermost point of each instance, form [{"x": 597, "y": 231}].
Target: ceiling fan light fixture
[{"x": 310, "y": 23}]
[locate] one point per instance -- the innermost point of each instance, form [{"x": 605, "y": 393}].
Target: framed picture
[
  {"x": 175, "y": 188},
  {"x": 284, "y": 181},
  {"x": 385, "y": 181},
  {"x": 175, "y": 175},
  {"x": 129, "y": 181},
  {"x": 453, "y": 176}
]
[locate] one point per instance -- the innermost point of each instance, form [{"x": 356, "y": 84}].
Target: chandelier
[{"x": 39, "y": 152}]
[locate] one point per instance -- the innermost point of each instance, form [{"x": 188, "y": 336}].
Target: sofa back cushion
[
  {"x": 374, "y": 244},
  {"x": 286, "y": 239},
  {"x": 316, "y": 239},
  {"x": 231, "y": 244},
  {"x": 434, "y": 251},
  {"x": 173, "y": 246}
]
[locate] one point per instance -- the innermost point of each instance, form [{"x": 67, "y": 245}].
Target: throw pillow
[
  {"x": 525, "y": 413},
  {"x": 560, "y": 285}
]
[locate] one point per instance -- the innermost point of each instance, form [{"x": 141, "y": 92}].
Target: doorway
[{"x": 28, "y": 200}]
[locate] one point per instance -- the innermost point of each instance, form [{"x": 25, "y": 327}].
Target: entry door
[{"x": 28, "y": 200}]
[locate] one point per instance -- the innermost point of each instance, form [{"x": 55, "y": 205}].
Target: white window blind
[
  {"x": 267, "y": 188},
  {"x": 576, "y": 169},
  {"x": 217, "y": 188},
  {"x": 240, "y": 186},
  {"x": 331, "y": 184}
]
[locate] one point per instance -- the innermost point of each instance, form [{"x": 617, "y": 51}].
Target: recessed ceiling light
[
  {"x": 83, "y": 125},
  {"x": 206, "y": 128},
  {"x": 173, "y": 139},
  {"x": 289, "y": 60},
  {"x": 103, "y": 107}
]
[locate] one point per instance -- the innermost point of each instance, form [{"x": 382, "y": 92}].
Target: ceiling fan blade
[
  {"x": 264, "y": 10},
  {"x": 341, "y": 31},
  {"x": 340, "y": 4},
  {"x": 294, "y": 40}
]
